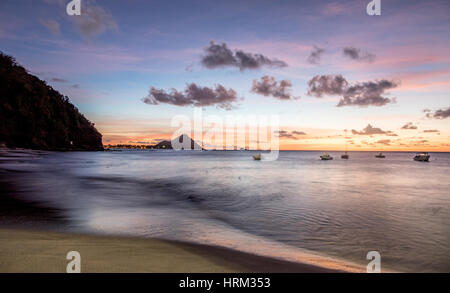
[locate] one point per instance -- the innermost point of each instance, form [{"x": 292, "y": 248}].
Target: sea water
[{"x": 297, "y": 208}]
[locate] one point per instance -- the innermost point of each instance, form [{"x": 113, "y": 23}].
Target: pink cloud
[{"x": 334, "y": 8}]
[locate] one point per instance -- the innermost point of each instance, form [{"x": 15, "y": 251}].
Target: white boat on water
[
  {"x": 257, "y": 157},
  {"x": 422, "y": 157},
  {"x": 326, "y": 157}
]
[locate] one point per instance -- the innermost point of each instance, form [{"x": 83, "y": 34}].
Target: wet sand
[{"x": 45, "y": 252}]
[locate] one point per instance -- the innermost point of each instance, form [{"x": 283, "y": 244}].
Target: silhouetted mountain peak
[{"x": 166, "y": 144}]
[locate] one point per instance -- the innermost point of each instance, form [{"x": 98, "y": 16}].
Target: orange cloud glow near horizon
[{"x": 314, "y": 139}]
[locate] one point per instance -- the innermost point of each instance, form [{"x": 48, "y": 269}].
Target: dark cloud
[
  {"x": 298, "y": 132},
  {"x": 290, "y": 135},
  {"x": 94, "y": 20},
  {"x": 431, "y": 131},
  {"x": 384, "y": 141},
  {"x": 60, "y": 80},
  {"x": 193, "y": 95},
  {"x": 268, "y": 86},
  {"x": 76, "y": 86},
  {"x": 368, "y": 94},
  {"x": 360, "y": 94},
  {"x": 321, "y": 85},
  {"x": 219, "y": 56},
  {"x": 51, "y": 25},
  {"x": 356, "y": 54},
  {"x": 419, "y": 142},
  {"x": 370, "y": 130},
  {"x": 158, "y": 139},
  {"x": 140, "y": 142},
  {"x": 409, "y": 125},
  {"x": 316, "y": 55},
  {"x": 438, "y": 114},
  {"x": 285, "y": 134}
]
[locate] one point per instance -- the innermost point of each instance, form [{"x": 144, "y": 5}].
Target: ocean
[{"x": 297, "y": 208}]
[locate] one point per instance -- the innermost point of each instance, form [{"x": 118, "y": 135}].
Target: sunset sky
[{"x": 321, "y": 66}]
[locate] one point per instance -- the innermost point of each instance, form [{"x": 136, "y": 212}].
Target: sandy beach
[{"x": 25, "y": 251}]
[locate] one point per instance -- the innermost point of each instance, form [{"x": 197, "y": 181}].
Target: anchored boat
[
  {"x": 326, "y": 157},
  {"x": 380, "y": 156},
  {"x": 422, "y": 157},
  {"x": 345, "y": 155}
]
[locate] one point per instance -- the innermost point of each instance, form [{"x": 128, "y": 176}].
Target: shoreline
[
  {"x": 18, "y": 149},
  {"x": 24, "y": 251}
]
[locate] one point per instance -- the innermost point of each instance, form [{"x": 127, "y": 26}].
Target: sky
[{"x": 332, "y": 74}]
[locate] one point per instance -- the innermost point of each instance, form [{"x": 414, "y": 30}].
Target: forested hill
[{"x": 33, "y": 115}]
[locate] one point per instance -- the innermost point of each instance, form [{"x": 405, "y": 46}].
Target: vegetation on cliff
[{"x": 34, "y": 115}]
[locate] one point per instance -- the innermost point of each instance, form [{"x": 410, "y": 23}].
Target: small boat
[
  {"x": 257, "y": 157},
  {"x": 345, "y": 155},
  {"x": 326, "y": 157},
  {"x": 422, "y": 157},
  {"x": 380, "y": 156}
]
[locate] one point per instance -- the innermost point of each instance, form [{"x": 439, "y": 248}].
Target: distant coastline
[{"x": 184, "y": 140}]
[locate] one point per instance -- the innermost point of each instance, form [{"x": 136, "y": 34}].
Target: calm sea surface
[{"x": 292, "y": 208}]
